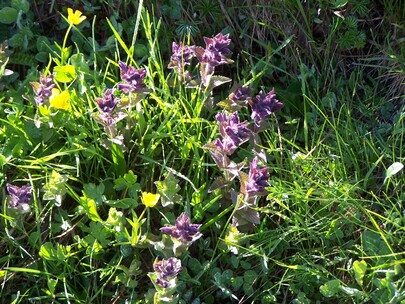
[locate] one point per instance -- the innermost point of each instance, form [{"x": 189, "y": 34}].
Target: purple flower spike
[
  {"x": 108, "y": 103},
  {"x": 258, "y": 178},
  {"x": 233, "y": 132},
  {"x": 43, "y": 88},
  {"x": 19, "y": 195},
  {"x": 133, "y": 78},
  {"x": 181, "y": 57},
  {"x": 184, "y": 232},
  {"x": 263, "y": 105},
  {"x": 166, "y": 270}
]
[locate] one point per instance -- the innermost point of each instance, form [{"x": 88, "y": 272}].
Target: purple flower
[
  {"x": 257, "y": 179},
  {"x": 215, "y": 49},
  {"x": 108, "y": 102},
  {"x": 240, "y": 94},
  {"x": 133, "y": 78},
  {"x": 181, "y": 56},
  {"x": 263, "y": 105},
  {"x": 19, "y": 195},
  {"x": 183, "y": 231},
  {"x": 233, "y": 132},
  {"x": 166, "y": 270},
  {"x": 43, "y": 88},
  {"x": 219, "y": 43}
]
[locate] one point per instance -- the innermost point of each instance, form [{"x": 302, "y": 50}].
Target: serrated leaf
[
  {"x": 168, "y": 189},
  {"x": 360, "y": 268},
  {"x": 65, "y": 73},
  {"x": 217, "y": 80},
  {"x": 8, "y": 15}
]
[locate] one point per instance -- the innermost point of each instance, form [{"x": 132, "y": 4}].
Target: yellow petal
[
  {"x": 75, "y": 17},
  {"x": 60, "y": 100},
  {"x": 150, "y": 199}
]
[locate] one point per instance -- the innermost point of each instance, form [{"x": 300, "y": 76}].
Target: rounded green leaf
[
  {"x": 8, "y": 15},
  {"x": 330, "y": 288},
  {"x": 360, "y": 268},
  {"x": 65, "y": 73}
]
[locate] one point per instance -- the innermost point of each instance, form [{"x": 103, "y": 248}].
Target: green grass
[{"x": 331, "y": 224}]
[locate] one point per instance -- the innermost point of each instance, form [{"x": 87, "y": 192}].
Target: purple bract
[
  {"x": 258, "y": 178},
  {"x": 19, "y": 195},
  {"x": 181, "y": 56},
  {"x": 240, "y": 94},
  {"x": 166, "y": 270},
  {"x": 183, "y": 231},
  {"x": 43, "y": 88},
  {"x": 132, "y": 77},
  {"x": 263, "y": 105},
  {"x": 233, "y": 132},
  {"x": 108, "y": 102}
]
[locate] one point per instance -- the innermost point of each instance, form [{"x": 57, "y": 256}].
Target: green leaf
[
  {"x": 51, "y": 285},
  {"x": 339, "y": 3},
  {"x": 47, "y": 252},
  {"x": 217, "y": 80},
  {"x": 22, "y": 5},
  {"x": 8, "y": 15},
  {"x": 78, "y": 61},
  {"x": 128, "y": 183},
  {"x": 360, "y": 268},
  {"x": 236, "y": 283},
  {"x": 331, "y": 288},
  {"x": 65, "y": 73},
  {"x": 43, "y": 44},
  {"x": 94, "y": 192},
  {"x": 249, "y": 276},
  {"x": 92, "y": 211}
]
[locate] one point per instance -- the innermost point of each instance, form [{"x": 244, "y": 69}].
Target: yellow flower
[
  {"x": 60, "y": 100},
  {"x": 75, "y": 17},
  {"x": 150, "y": 199}
]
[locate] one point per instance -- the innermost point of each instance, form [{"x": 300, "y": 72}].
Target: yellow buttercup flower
[
  {"x": 60, "y": 100},
  {"x": 150, "y": 199},
  {"x": 75, "y": 17}
]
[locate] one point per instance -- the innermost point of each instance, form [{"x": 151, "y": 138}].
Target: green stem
[{"x": 64, "y": 43}]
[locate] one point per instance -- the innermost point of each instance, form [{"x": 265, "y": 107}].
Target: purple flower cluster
[
  {"x": 209, "y": 57},
  {"x": 215, "y": 49},
  {"x": 240, "y": 94},
  {"x": 132, "y": 78},
  {"x": 263, "y": 105},
  {"x": 183, "y": 231},
  {"x": 166, "y": 270},
  {"x": 233, "y": 132},
  {"x": 43, "y": 88},
  {"x": 108, "y": 102},
  {"x": 19, "y": 195},
  {"x": 107, "y": 105},
  {"x": 182, "y": 55},
  {"x": 258, "y": 179}
]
